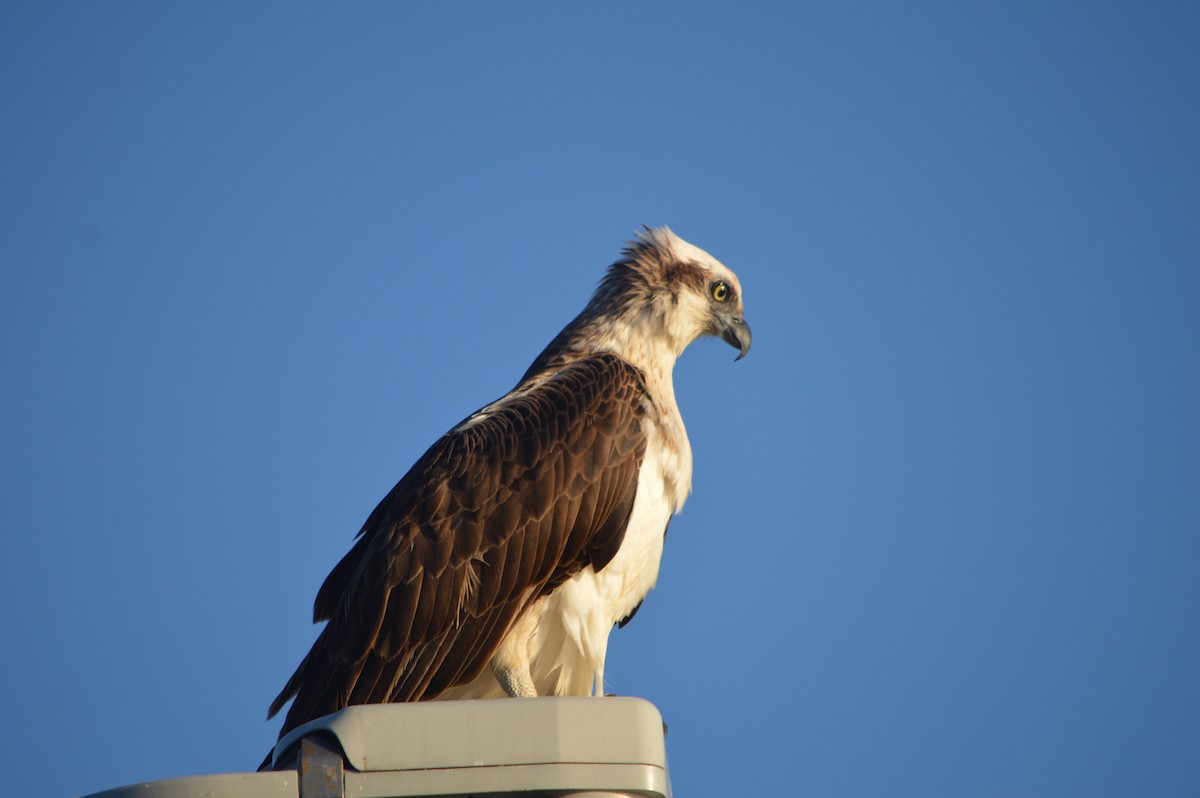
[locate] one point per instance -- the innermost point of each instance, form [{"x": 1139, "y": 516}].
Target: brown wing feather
[{"x": 492, "y": 517}]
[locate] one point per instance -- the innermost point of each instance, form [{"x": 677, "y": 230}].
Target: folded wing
[{"x": 495, "y": 515}]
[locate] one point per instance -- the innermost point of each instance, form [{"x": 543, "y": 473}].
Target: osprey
[{"x": 501, "y": 561}]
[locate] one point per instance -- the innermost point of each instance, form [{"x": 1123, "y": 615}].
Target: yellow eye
[{"x": 721, "y": 292}]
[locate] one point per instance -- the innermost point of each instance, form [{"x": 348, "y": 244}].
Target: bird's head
[
  {"x": 673, "y": 291},
  {"x": 660, "y": 296}
]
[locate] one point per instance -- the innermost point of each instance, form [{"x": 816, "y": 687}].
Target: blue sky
[{"x": 945, "y": 534}]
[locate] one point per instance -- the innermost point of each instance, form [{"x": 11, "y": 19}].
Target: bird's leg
[
  {"x": 517, "y": 682},
  {"x": 513, "y": 661}
]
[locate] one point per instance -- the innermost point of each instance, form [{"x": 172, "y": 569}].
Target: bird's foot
[{"x": 517, "y": 683}]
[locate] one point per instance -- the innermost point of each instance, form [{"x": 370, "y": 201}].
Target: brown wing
[{"x": 489, "y": 519}]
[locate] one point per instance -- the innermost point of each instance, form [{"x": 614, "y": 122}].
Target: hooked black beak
[{"x": 736, "y": 333}]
